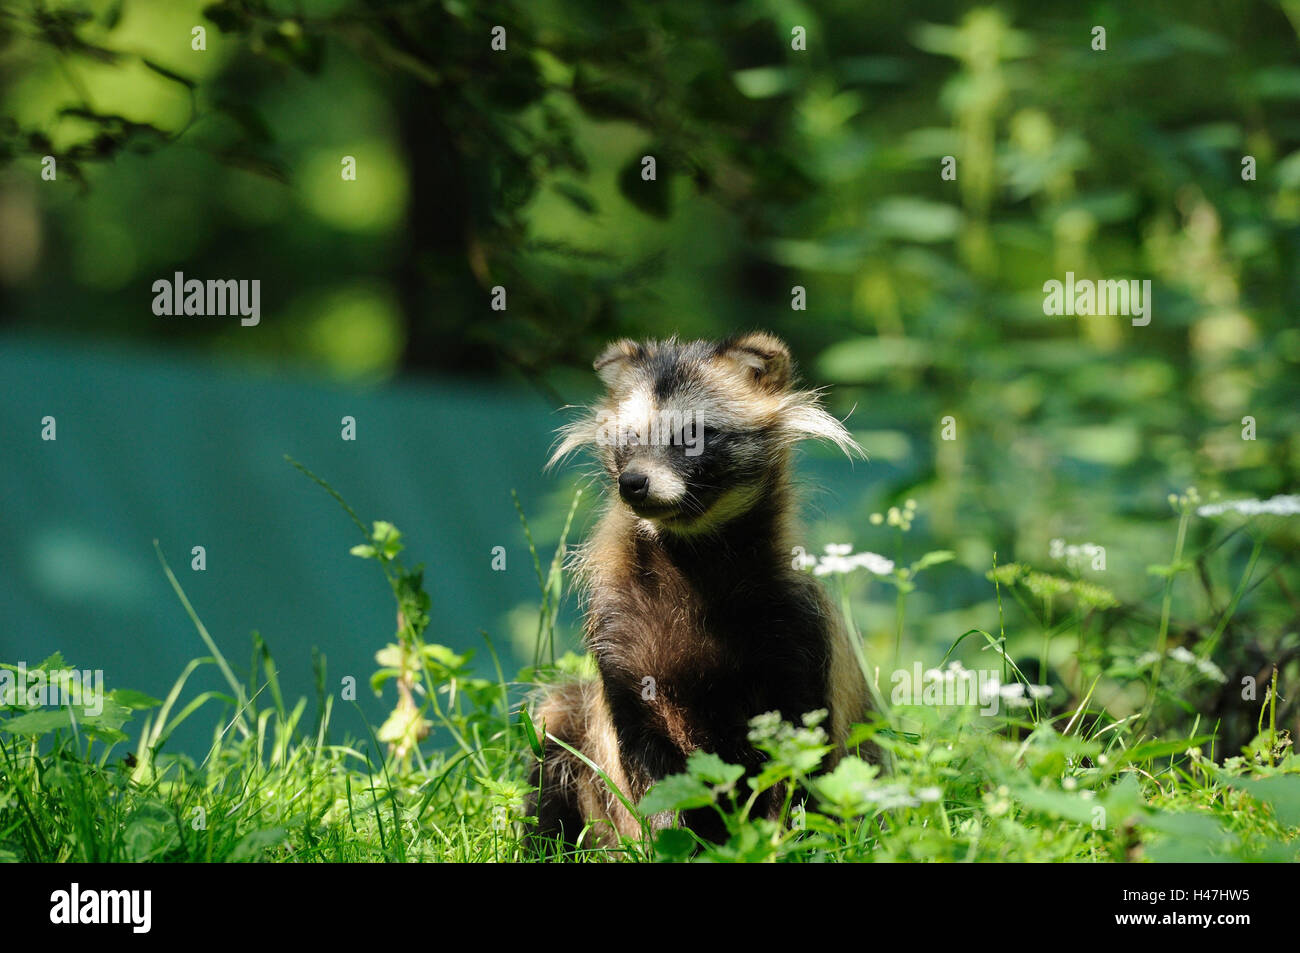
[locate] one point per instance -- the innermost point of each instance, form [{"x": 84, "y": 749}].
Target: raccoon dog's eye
[{"x": 631, "y": 439}]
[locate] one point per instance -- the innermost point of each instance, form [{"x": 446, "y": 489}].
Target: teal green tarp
[
  {"x": 151, "y": 446},
  {"x": 191, "y": 453}
]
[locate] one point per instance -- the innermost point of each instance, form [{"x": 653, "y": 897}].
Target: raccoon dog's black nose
[{"x": 633, "y": 487}]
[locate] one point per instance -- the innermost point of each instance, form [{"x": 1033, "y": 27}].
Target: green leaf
[
  {"x": 1051, "y": 754},
  {"x": 383, "y": 675},
  {"x": 674, "y": 844},
  {"x": 578, "y": 197},
  {"x": 404, "y": 725},
  {"x": 104, "y": 725},
  {"x": 602, "y": 98},
  {"x": 711, "y": 769},
  {"x": 1281, "y": 792},
  {"x": 150, "y": 830},
  {"x": 384, "y": 532},
  {"x": 110, "y": 735},
  {"x": 37, "y": 723},
  {"x": 677, "y": 792},
  {"x": 864, "y": 359},
  {"x": 846, "y": 791},
  {"x": 1065, "y": 804},
  {"x": 391, "y": 656},
  {"x": 169, "y": 74},
  {"x": 533, "y": 742},
  {"x": 136, "y": 701},
  {"x": 243, "y": 156},
  {"x": 52, "y": 663},
  {"x": 762, "y": 82},
  {"x": 256, "y": 843},
  {"x": 55, "y": 661},
  {"x": 1150, "y": 750},
  {"x": 916, "y": 220},
  {"x": 1200, "y": 828},
  {"x": 933, "y": 559},
  {"x": 114, "y": 716}
]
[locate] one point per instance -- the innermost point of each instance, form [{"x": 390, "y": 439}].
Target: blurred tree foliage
[
  {"x": 777, "y": 167},
  {"x": 477, "y": 133}
]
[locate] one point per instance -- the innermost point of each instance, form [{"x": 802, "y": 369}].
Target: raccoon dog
[{"x": 695, "y": 615}]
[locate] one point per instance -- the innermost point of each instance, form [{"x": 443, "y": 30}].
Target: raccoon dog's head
[{"x": 694, "y": 434}]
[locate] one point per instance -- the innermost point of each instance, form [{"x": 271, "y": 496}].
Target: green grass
[{"x": 444, "y": 777}]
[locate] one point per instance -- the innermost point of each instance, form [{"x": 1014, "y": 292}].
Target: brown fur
[{"x": 698, "y": 600}]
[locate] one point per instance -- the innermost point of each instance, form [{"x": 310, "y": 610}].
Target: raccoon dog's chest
[{"x": 692, "y": 664}]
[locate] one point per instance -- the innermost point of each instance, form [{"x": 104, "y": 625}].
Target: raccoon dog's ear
[
  {"x": 765, "y": 357},
  {"x": 614, "y": 361}
]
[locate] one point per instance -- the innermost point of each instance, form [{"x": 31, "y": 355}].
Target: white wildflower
[
  {"x": 1078, "y": 556},
  {"x": 840, "y": 562},
  {"x": 1013, "y": 696},
  {"x": 1275, "y": 506},
  {"x": 832, "y": 564},
  {"x": 891, "y": 796},
  {"x": 874, "y": 563},
  {"x": 989, "y": 689},
  {"x": 1210, "y": 670}
]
